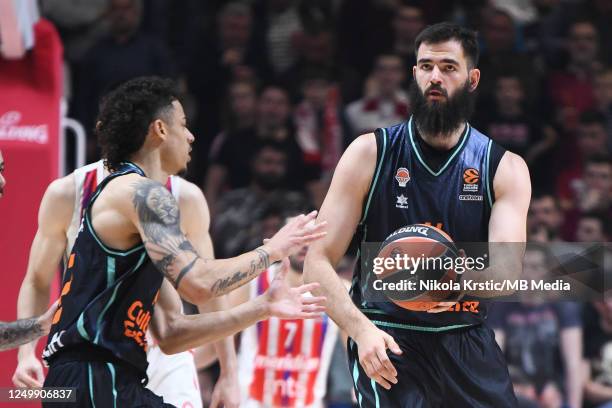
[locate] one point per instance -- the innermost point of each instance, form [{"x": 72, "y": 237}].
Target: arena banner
[{"x": 31, "y": 90}]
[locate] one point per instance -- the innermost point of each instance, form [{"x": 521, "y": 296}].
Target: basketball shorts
[
  {"x": 458, "y": 368},
  {"x": 101, "y": 385},
  {"x": 174, "y": 377}
]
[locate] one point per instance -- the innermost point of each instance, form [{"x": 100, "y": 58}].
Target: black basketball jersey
[
  {"x": 107, "y": 296},
  {"x": 456, "y": 197}
]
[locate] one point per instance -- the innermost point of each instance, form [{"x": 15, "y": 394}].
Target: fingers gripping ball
[{"x": 422, "y": 254}]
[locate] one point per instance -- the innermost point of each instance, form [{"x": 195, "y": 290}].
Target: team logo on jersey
[
  {"x": 402, "y": 202},
  {"x": 402, "y": 176},
  {"x": 471, "y": 177}
]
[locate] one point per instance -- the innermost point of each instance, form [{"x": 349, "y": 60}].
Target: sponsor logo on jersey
[
  {"x": 137, "y": 323},
  {"x": 54, "y": 344},
  {"x": 470, "y": 197},
  {"x": 402, "y": 202},
  {"x": 402, "y": 176}
]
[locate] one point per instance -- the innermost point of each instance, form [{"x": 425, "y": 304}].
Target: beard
[
  {"x": 441, "y": 117},
  {"x": 296, "y": 264}
]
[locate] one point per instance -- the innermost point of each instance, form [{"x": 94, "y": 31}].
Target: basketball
[{"x": 427, "y": 251}]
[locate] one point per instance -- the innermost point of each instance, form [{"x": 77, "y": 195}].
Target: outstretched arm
[
  {"x": 156, "y": 215},
  {"x": 177, "y": 332}
]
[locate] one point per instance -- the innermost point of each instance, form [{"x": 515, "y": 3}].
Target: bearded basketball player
[{"x": 446, "y": 356}]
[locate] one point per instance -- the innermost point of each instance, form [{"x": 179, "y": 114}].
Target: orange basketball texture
[{"x": 432, "y": 244}]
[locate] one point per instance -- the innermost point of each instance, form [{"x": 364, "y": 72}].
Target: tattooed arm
[
  {"x": 23, "y": 331},
  {"x": 157, "y": 218},
  {"x": 176, "y": 332}
]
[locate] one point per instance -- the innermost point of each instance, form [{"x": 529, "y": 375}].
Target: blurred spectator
[
  {"x": 598, "y": 355},
  {"x": 600, "y": 12},
  {"x": 80, "y": 23},
  {"x": 603, "y": 98},
  {"x": 126, "y": 53},
  {"x": 319, "y": 128},
  {"x": 522, "y": 11},
  {"x": 384, "y": 103},
  {"x": 230, "y": 167},
  {"x": 595, "y": 191},
  {"x": 364, "y": 31},
  {"x": 591, "y": 140},
  {"x": 571, "y": 90},
  {"x": 592, "y": 192},
  {"x": 593, "y": 227},
  {"x": 545, "y": 218},
  {"x": 222, "y": 56},
  {"x": 316, "y": 50},
  {"x": 545, "y": 36},
  {"x": 278, "y": 23},
  {"x": 408, "y": 22},
  {"x": 240, "y": 209},
  {"x": 501, "y": 54},
  {"x": 511, "y": 123},
  {"x": 542, "y": 339}
]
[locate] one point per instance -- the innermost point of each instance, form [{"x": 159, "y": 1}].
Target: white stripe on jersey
[{"x": 307, "y": 336}]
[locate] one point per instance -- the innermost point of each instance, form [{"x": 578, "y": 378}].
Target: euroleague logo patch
[
  {"x": 402, "y": 176},
  {"x": 471, "y": 176}
]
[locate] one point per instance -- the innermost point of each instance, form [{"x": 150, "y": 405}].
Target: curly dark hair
[{"x": 126, "y": 113}]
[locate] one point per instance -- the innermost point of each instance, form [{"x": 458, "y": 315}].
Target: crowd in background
[{"x": 275, "y": 90}]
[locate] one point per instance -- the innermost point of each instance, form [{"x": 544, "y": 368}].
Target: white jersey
[
  {"x": 284, "y": 362},
  {"x": 173, "y": 377}
]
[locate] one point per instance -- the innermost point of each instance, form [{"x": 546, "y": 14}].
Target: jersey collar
[{"x": 417, "y": 150}]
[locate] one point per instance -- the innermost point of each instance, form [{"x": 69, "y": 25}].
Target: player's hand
[
  {"x": 29, "y": 372},
  {"x": 46, "y": 318},
  {"x": 226, "y": 392},
  {"x": 286, "y": 302},
  {"x": 297, "y": 233},
  {"x": 372, "y": 345}
]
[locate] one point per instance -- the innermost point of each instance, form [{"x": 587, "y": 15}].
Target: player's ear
[
  {"x": 158, "y": 128},
  {"x": 414, "y": 72},
  {"x": 474, "y": 78}
]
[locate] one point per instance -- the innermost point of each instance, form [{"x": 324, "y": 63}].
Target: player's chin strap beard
[{"x": 442, "y": 118}]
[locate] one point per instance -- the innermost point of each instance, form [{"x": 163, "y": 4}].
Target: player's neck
[
  {"x": 151, "y": 165},
  {"x": 443, "y": 141}
]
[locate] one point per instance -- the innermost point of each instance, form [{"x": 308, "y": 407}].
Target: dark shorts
[
  {"x": 458, "y": 368},
  {"x": 101, "y": 385}
]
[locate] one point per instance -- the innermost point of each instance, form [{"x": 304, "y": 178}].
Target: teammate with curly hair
[{"x": 131, "y": 250}]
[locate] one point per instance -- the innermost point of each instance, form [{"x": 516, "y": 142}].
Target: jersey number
[{"x": 291, "y": 327}]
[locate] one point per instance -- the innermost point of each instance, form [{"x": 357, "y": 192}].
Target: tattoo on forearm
[
  {"x": 159, "y": 217},
  {"x": 239, "y": 278},
  {"x": 20, "y": 332},
  {"x": 184, "y": 271}
]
